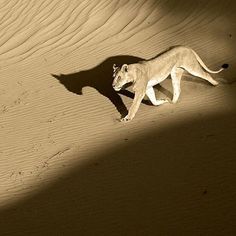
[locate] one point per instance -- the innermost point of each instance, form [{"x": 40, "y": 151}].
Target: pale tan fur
[{"x": 146, "y": 74}]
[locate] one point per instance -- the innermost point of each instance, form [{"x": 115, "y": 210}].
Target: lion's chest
[{"x": 154, "y": 81}]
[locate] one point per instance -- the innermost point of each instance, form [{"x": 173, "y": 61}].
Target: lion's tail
[{"x": 224, "y": 66}]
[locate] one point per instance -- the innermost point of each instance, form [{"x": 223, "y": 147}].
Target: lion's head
[{"x": 121, "y": 77}]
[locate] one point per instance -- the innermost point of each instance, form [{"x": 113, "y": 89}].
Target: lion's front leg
[
  {"x": 134, "y": 107},
  {"x": 151, "y": 95}
]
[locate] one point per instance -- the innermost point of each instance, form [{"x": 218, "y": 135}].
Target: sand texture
[{"x": 68, "y": 166}]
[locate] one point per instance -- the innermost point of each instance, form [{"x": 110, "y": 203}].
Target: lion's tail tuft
[{"x": 225, "y": 66}]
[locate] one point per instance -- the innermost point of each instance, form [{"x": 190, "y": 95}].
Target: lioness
[{"x": 145, "y": 74}]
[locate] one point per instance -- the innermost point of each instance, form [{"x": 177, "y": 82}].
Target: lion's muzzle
[{"x": 116, "y": 88}]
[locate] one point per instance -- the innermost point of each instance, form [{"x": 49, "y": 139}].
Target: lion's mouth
[
  {"x": 117, "y": 88},
  {"x": 123, "y": 86}
]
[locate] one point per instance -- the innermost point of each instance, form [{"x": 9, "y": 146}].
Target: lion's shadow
[{"x": 100, "y": 78}]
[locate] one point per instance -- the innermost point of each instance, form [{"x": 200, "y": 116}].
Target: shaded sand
[{"x": 68, "y": 166}]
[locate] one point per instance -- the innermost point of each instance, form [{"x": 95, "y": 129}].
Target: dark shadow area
[
  {"x": 100, "y": 78},
  {"x": 175, "y": 180}
]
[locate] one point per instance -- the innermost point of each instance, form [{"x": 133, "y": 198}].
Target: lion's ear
[
  {"x": 125, "y": 67},
  {"x": 115, "y": 67}
]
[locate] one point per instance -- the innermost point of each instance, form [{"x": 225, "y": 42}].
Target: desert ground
[{"x": 68, "y": 166}]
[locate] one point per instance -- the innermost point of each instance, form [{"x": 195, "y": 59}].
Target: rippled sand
[{"x": 68, "y": 166}]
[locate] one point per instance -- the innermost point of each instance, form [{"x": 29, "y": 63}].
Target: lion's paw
[
  {"x": 165, "y": 100},
  {"x": 125, "y": 119}
]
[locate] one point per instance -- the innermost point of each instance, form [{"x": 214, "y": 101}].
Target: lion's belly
[{"x": 160, "y": 70}]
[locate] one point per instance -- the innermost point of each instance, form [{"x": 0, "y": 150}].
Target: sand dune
[{"x": 68, "y": 166}]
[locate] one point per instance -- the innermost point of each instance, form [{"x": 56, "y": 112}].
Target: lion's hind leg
[
  {"x": 151, "y": 95},
  {"x": 198, "y": 71},
  {"x": 176, "y": 75}
]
